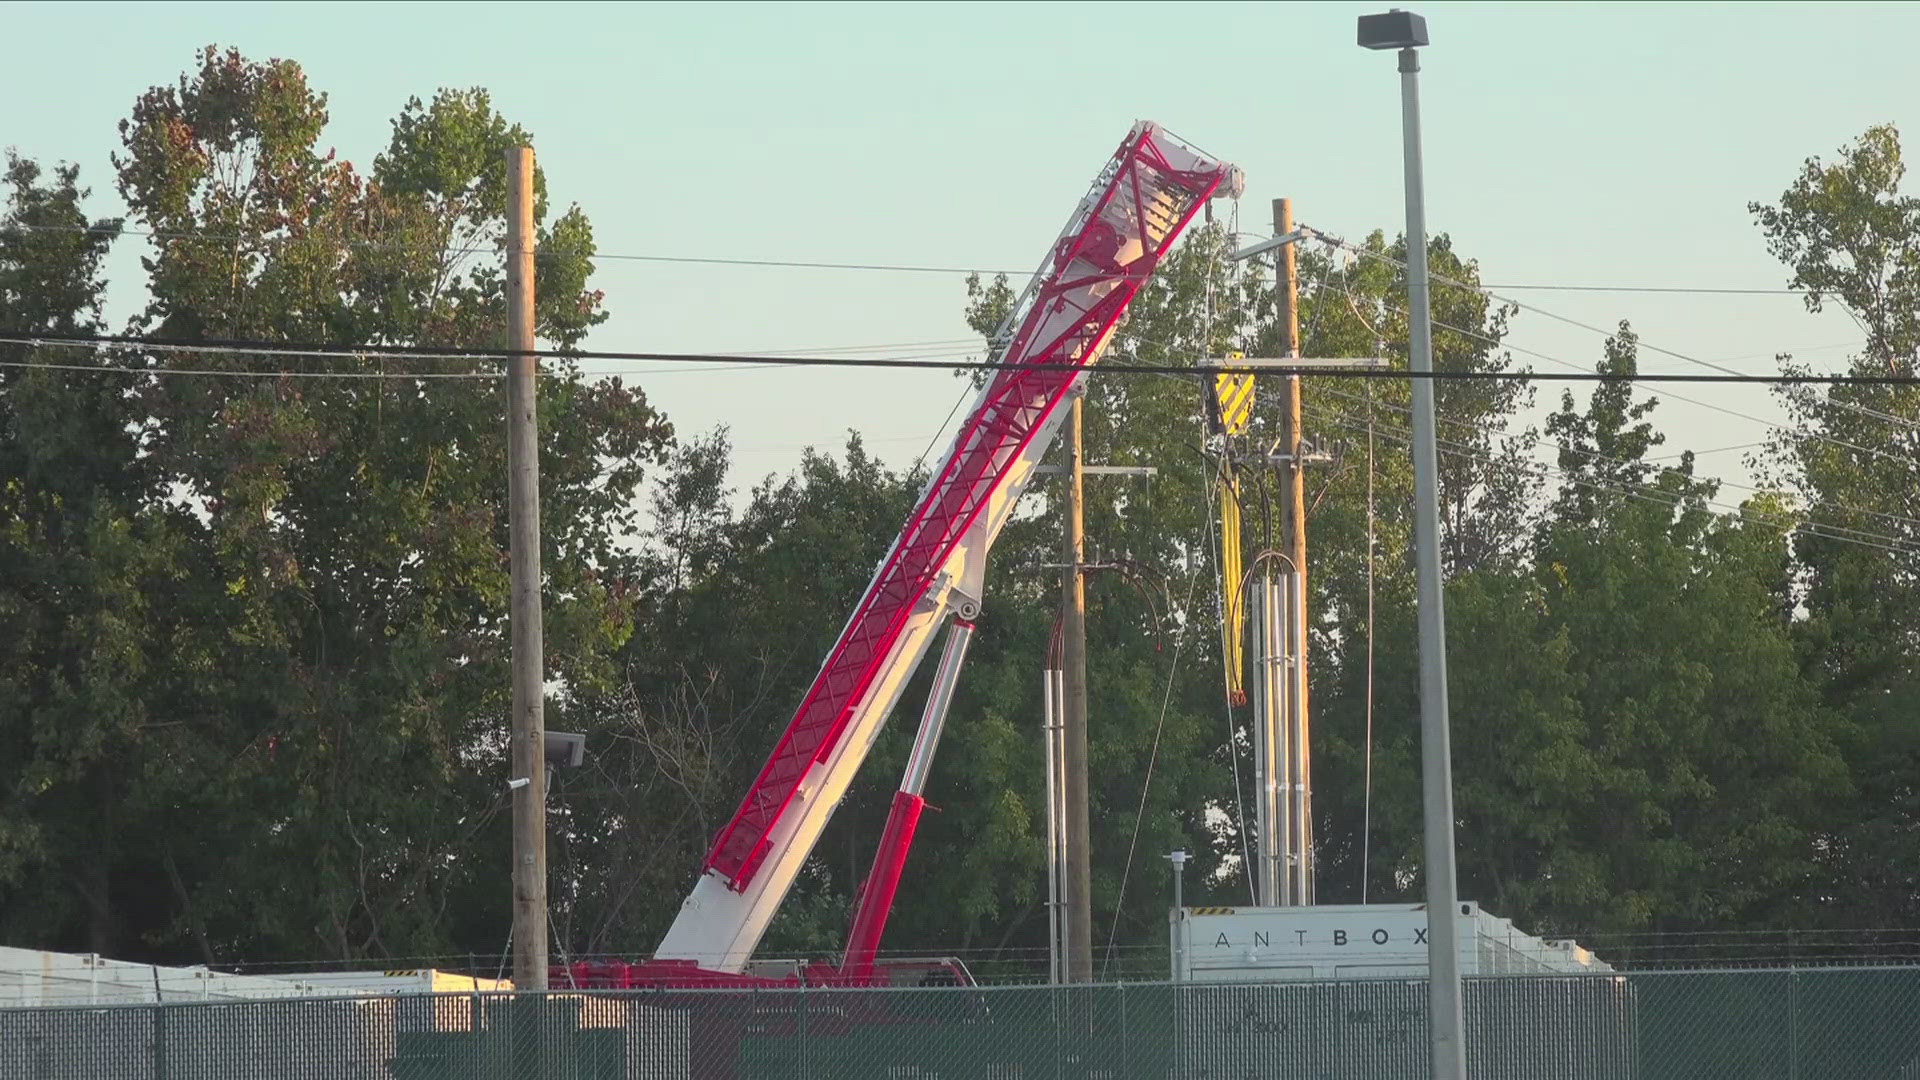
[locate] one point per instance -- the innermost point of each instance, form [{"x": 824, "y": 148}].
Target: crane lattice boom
[{"x": 1145, "y": 196}]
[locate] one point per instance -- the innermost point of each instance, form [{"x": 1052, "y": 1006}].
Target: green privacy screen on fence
[{"x": 1843, "y": 1023}]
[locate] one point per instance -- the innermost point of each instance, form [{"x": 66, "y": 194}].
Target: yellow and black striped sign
[
  {"x": 1235, "y": 395},
  {"x": 1211, "y": 910}
]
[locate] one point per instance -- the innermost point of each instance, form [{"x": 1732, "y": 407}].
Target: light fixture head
[
  {"x": 1264, "y": 246},
  {"x": 566, "y": 750},
  {"x": 1394, "y": 29}
]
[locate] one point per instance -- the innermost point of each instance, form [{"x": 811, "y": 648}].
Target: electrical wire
[
  {"x": 1488, "y": 291},
  {"x": 1462, "y": 451},
  {"x": 1539, "y": 443},
  {"x": 1366, "y": 798},
  {"x": 1153, "y": 755},
  {"x": 375, "y": 244},
  {"x": 965, "y": 391},
  {"x": 1761, "y": 420},
  {"x": 1687, "y": 290},
  {"x": 1704, "y": 453},
  {"x": 798, "y": 264},
  {"x": 1642, "y": 492},
  {"x": 324, "y": 350}
]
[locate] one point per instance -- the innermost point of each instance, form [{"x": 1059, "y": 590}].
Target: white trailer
[
  {"x": 1338, "y": 990},
  {"x": 34, "y": 978},
  {"x": 407, "y": 981},
  {"x": 1354, "y": 941}
]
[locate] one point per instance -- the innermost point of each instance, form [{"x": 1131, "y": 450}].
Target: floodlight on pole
[
  {"x": 1407, "y": 32},
  {"x": 1273, "y": 243},
  {"x": 565, "y": 749}
]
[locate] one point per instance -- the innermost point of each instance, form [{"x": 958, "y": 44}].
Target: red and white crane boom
[{"x": 1145, "y": 196}]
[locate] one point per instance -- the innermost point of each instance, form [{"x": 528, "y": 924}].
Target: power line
[
  {"x": 814, "y": 264},
  {"x": 1487, "y": 290},
  {"x": 1688, "y": 290},
  {"x": 1166, "y": 699},
  {"x": 1460, "y": 451},
  {"x": 1546, "y": 471},
  {"x": 1567, "y": 364},
  {"x": 332, "y": 351},
  {"x": 373, "y": 243},
  {"x": 1640, "y": 492},
  {"x": 1503, "y": 344},
  {"x": 1704, "y": 453},
  {"x": 1591, "y": 455},
  {"x": 1744, "y": 377}
]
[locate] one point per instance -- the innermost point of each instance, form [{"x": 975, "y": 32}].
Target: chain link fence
[
  {"x": 1027, "y": 966},
  {"x": 1858, "y": 1023}
]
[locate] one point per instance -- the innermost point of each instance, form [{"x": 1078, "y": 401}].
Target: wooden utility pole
[
  {"x": 523, "y": 528},
  {"x": 1293, "y": 501},
  {"x": 1293, "y": 541},
  {"x": 1073, "y": 662}
]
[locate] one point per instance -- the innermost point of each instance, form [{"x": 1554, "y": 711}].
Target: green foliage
[
  {"x": 81, "y": 562},
  {"x": 1711, "y": 755},
  {"x": 315, "y": 648},
  {"x": 253, "y": 688},
  {"x": 1851, "y": 237}
]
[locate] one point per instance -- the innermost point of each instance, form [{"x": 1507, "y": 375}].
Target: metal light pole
[
  {"x": 1179, "y": 860},
  {"x": 1406, "y": 32}
]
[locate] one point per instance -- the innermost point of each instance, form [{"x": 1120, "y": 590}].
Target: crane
[{"x": 933, "y": 577}]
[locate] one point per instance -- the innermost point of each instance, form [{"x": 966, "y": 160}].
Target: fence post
[
  {"x": 1179, "y": 989},
  {"x": 160, "y": 1070},
  {"x": 1793, "y": 1021},
  {"x": 1062, "y": 1010}
]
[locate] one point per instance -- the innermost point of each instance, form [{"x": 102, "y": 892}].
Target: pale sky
[{"x": 1611, "y": 144}]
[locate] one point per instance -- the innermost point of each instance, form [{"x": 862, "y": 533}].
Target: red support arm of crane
[{"x": 875, "y": 902}]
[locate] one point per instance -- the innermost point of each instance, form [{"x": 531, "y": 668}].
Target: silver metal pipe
[
  {"x": 1266, "y": 885},
  {"x": 1273, "y": 723},
  {"x": 933, "y": 719},
  {"x": 1051, "y": 731},
  {"x": 1281, "y": 709},
  {"x": 1300, "y": 779}
]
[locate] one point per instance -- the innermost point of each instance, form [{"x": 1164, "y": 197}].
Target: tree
[
  {"x": 724, "y": 646},
  {"x": 81, "y": 548},
  {"x": 1853, "y": 457},
  {"x": 1707, "y": 757},
  {"x": 320, "y": 730}
]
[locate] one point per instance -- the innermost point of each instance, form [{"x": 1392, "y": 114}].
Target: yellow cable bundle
[{"x": 1233, "y": 623}]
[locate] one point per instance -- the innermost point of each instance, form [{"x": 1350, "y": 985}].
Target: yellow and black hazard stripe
[
  {"x": 1234, "y": 394},
  {"x": 1211, "y": 910}
]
